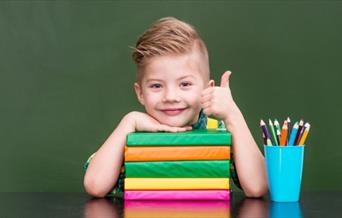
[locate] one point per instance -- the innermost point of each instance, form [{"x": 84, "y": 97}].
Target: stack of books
[{"x": 191, "y": 165}]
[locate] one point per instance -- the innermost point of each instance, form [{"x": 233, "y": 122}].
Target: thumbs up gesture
[{"x": 217, "y": 101}]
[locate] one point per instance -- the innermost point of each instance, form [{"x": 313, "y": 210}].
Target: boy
[{"x": 174, "y": 87}]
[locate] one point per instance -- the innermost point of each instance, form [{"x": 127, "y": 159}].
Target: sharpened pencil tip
[
  {"x": 262, "y": 123},
  {"x": 296, "y": 125}
]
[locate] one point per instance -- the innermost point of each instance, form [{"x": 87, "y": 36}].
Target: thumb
[{"x": 225, "y": 79}]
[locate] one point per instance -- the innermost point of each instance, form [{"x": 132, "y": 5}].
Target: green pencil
[
  {"x": 277, "y": 125},
  {"x": 275, "y": 141}
]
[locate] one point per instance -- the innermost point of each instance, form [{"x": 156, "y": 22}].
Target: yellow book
[{"x": 176, "y": 183}]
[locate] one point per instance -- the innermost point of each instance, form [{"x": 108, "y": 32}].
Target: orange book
[{"x": 177, "y": 153}]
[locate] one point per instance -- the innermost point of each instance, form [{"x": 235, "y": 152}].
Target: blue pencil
[{"x": 293, "y": 134}]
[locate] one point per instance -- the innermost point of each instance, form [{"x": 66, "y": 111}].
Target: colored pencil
[
  {"x": 305, "y": 134},
  {"x": 293, "y": 134},
  {"x": 277, "y": 125},
  {"x": 300, "y": 136},
  {"x": 289, "y": 127},
  {"x": 300, "y": 131},
  {"x": 274, "y": 137},
  {"x": 267, "y": 134},
  {"x": 264, "y": 138},
  {"x": 283, "y": 136},
  {"x": 268, "y": 142}
]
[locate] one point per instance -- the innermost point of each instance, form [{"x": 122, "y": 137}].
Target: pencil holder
[
  {"x": 286, "y": 209},
  {"x": 284, "y": 166}
]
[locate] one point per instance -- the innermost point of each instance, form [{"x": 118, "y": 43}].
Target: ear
[
  {"x": 211, "y": 83},
  {"x": 138, "y": 92}
]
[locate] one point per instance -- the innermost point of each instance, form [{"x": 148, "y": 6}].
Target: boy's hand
[
  {"x": 217, "y": 101},
  {"x": 144, "y": 122}
]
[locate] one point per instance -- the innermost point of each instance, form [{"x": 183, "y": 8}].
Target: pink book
[
  {"x": 176, "y": 209},
  {"x": 177, "y": 195}
]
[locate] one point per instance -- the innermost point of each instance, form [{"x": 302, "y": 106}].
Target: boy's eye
[
  {"x": 155, "y": 86},
  {"x": 186, "y": 84}
]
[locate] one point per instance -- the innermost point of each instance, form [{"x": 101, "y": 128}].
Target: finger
[
  {"x": 206, "y": 105},
  {"x": 207, "y": 111},
  {"x": 207, "y": 91},
  {"x": 184, "y": 128},
  {"x": 181, "y": 129},
  {"x": 167, "y": 128},
  {"x": 225, "y": 79},
  {"x": 206, "y": 98},
  {"x": 164, "y": 128},
  {"x": 187, "y": 128}
]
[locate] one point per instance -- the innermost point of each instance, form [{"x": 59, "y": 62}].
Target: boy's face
[{"x": 171, "y": 87}]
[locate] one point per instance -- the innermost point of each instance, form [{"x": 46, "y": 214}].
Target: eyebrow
[
  {"x": 160, "y": 80},
  {"x": 183, "y": 77}
]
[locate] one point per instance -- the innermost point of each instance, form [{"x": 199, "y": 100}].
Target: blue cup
[
  {"x": 284, "y": 166},
  {"x": 285, "y": 210}
]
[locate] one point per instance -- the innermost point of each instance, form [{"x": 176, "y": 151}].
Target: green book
[
  {"x": 195, "y": 137},
  {"x": 178, "y": 169}
]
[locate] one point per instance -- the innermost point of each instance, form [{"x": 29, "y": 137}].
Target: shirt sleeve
[{"x": 117, "y": 191}]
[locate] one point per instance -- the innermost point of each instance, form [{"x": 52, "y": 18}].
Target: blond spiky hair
[{"x": 167, "y": 36}]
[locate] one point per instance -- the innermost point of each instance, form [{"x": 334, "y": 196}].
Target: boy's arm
[
  {"x": 104, "y": 168},
  {"x": 248, "y": 159}
]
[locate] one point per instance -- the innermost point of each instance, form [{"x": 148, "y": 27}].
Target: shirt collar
[{"x": 201, "y": 122}]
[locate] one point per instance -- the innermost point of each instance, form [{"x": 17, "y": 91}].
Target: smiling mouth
[{"x": 173, "y": 112}]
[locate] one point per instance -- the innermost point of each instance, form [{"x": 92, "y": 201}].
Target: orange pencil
[
  {"x": 305, "y": 134},
  {"x": 283, "y": 136}
]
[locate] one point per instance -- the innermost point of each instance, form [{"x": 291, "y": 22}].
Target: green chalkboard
[{"x": 66, "y": 78}]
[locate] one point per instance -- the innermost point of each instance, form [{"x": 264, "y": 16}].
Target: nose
[{"x": 171, "y": 95}]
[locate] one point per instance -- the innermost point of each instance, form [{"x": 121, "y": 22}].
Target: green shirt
[{"x": 118, "y": 189}]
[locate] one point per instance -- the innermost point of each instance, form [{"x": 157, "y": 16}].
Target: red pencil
[{"x": 300, "y": 132}]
